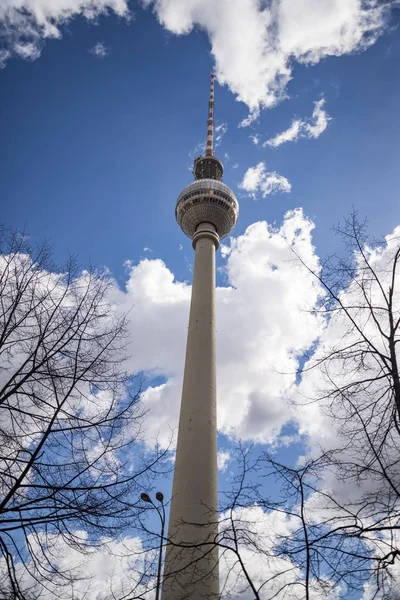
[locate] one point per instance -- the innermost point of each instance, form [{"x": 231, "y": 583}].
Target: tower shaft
[
  {"x": 207, "y": 211},
  {"x": 191, "y": 562}
]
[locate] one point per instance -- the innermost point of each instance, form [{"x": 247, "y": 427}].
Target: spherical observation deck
[{"x": 207, "y": 201}]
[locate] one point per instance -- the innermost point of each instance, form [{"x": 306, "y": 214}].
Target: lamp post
[{"x": 160, "y": 497}]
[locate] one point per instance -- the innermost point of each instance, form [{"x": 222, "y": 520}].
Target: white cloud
[
  {"x": 223, "y": 459},
  {"x": 265, "y": 324},
  {"x": 4, "y": 56},
  {"x": 99, "y": 50},
  {"x": 303, "y": 128},
  {"x": 255, "y": 139},
  {"x": 256, "y": 44},
  {"x": 258, "y": 534},
  {"x": 258, "y": 179},
  {"x": 25, "y": 24},
  {"x": 319, "y": 121},
  {"x": 263, "y": 328},
  {"x": 114, "y": 568},
  {"x": 219, "y": 132},
  {"x": 289, "y": 135},
  {"x": 251, "y": 118},
  {"x": 253, "y": 177}
]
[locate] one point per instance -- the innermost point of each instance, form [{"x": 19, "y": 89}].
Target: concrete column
[{"x": 193, "y": 572}]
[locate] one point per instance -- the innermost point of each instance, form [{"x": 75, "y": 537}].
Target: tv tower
[{"x": 207, "y": 211}]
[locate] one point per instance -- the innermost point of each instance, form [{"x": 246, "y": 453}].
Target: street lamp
[{"x": 160, "y": 497}]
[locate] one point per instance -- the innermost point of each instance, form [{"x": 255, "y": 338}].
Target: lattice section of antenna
[{"x": 210, "y": 122}]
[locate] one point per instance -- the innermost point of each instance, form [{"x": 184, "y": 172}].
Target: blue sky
[{"x": 95, "y": 150}]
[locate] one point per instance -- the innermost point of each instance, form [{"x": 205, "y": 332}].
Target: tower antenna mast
[{"x": 210, "y": 122}]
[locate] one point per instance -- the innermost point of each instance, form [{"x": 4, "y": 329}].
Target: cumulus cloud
[
  {"x": 99, "y": 50},
  {"x": 273, "y": 574},
  {"x": 263, "y": 530},
  {"x": 26, "y": 24},
  {"x": 125, "y": 568},
  {"x": 263, "y": 329},
  {"x": 114, "y": 568},
  {"x": 256, "y": 44},
  {"x": 258, "y": 179},
  {"x": 266, "y": 321},
  {"x": 303, "y": 128}
]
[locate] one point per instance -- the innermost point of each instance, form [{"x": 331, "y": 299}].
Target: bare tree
[
  {"x": 342, "y": 502},
  {"x": 345, "y": 498},
  {"x": 358, "y": 388},
  {"x": 266, "y": 541},
  {"x": 70, "y": 422},
  {"x": 300, "y": 543}
]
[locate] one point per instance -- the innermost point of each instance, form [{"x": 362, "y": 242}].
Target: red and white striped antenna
[{"x": 210, "y": 122}]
